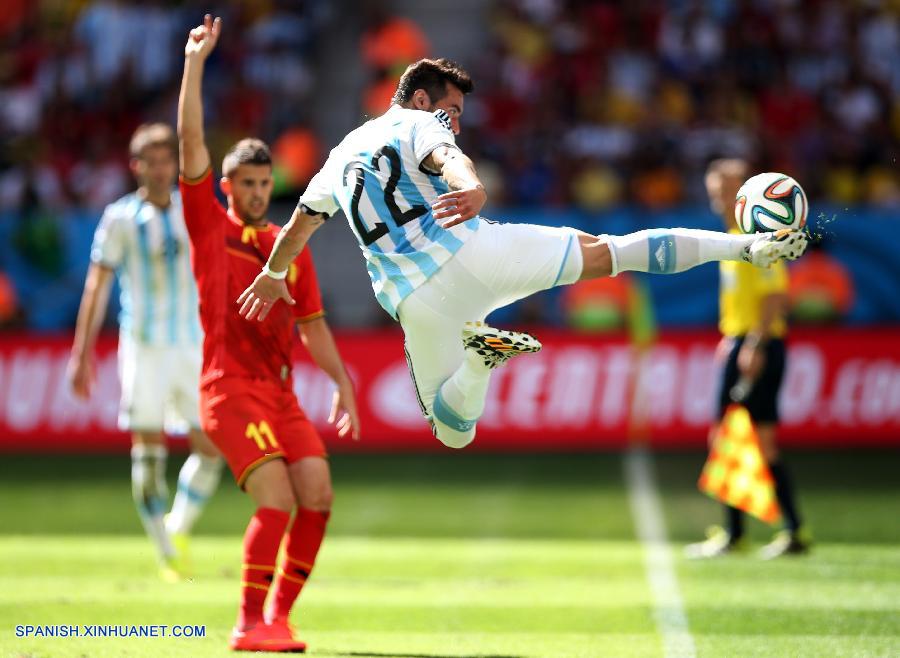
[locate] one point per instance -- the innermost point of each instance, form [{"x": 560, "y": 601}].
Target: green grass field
[{"x": 463, "y": 554}]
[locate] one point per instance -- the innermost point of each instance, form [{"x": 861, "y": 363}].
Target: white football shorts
[
  {"x": 498, "y": 264},
  {"x": 160, "y": 387}
]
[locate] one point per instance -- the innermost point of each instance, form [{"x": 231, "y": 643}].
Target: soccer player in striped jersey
[
  {"x": 142, "y": 239},
  {"x": 413, "y": 200}
]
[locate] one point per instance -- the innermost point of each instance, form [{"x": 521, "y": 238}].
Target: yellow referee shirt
[{"x": 742, "y": 289}]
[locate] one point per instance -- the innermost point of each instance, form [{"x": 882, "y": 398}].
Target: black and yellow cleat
[
  {"x": 786, "y": 243},
  {"x": 497, "y": 346}
]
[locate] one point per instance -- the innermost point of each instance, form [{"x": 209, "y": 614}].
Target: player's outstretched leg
[
  {"x": 460, "y": 400},
  {"x": 151, "y": 497},
  {"x": 669, "y": 251}
]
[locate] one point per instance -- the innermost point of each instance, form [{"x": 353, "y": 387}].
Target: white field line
[{"x": 646, "y": 510}]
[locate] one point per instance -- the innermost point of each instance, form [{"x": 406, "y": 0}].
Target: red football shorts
[{"x": 254, "y": 421}]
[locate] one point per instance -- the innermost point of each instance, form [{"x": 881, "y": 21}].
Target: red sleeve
[
  {"x": 199, "y": 202},
  {"x": 305, "y": 289}
]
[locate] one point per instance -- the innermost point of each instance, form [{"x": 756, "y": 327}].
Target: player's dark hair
[
  {"x": 432, "y": 75},
  {"x": 152, "y": 134},
  {"x": 250, "y": 151}
]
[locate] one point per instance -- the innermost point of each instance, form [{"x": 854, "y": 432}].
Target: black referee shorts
[{"x": 762, "y": 400}]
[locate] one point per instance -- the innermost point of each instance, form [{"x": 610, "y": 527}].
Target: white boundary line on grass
[{"x": 646, "y": 510}]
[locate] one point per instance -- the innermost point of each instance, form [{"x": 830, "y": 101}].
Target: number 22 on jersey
[{"x": 399, "y": 217}]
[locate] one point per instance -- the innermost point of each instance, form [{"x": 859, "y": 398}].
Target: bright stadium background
[{"x": 559, "y": 532}]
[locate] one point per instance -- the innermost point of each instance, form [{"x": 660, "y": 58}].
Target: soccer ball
[{"x": 769, "y": 202}]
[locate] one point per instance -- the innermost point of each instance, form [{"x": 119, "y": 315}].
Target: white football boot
[
  {"x": 497, "y": 346},
  {"x": 786, "y": 243}
]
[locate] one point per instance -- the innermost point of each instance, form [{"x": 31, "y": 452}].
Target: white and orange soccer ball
[{"x": 769, "y": 202}]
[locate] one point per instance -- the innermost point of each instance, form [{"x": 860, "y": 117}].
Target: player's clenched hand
[
  {"x": 80, "y": 373},
  {"x": 458, "y": 206},
  {"x": 203, "y": 38},
  {"x": 343, "y": 410},
  {"x": 257, "y": 300}
]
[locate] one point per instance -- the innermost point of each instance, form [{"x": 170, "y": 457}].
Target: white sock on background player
[
  {"x": 667, "y": 251},
  {"x": 197, "y": 481},
  {"x": 151, "y": 496}
]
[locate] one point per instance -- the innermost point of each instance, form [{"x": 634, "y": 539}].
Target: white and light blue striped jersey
[
  {"x": 147, "y": 246},
  {"x": 376, "y": 176}
]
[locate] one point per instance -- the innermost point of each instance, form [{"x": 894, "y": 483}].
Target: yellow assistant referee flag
[{"x": 736, "y": 472}]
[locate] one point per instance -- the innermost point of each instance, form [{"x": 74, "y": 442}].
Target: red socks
[
  {"x": 303, "y": 541},
  {"x": 261, "y": 542}
]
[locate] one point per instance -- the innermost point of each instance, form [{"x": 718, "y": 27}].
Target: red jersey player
[{"x": 248, "y": 407}]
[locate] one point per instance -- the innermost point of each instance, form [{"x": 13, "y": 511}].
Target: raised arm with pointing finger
[{"x": 194, "y": 154}]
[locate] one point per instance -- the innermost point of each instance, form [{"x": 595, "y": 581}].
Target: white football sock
[
  {"x": 460, "y": 402},
  {"x": 667, "y": 251},
  {"x": 197, "y": 481},
  {"x": 151, "y": 496}
]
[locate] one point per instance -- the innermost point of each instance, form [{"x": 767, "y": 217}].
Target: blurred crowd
[
  {"x": 600, "y": 103},
  {"x": 588, "y": 105},
  {"x": 78, "y": 76}
]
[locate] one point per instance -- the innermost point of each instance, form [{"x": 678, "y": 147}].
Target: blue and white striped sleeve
[
  {"x": 108, "y": 247},
  {"x": 319, "y": 195},
  {"x": 430, "y": 132}
]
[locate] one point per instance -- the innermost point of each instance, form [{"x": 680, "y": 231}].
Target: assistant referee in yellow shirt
[{"x": 752, "y": 320}]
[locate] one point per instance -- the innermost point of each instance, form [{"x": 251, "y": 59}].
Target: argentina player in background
[
  {"x": 142, "y": 239},
  {"x": 412, "y": 198}
]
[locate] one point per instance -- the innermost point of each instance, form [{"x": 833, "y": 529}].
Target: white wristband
[{"x": 278, "y": 276}]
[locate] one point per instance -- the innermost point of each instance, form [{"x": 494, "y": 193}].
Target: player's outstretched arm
[
  {"x": 269, "y": 285},
  {"x": 194, "y": 154},
  {"x": 318, "y": 340},
  {"x": 467, "y": 196},
  {"x": 80, "y": 371}
]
